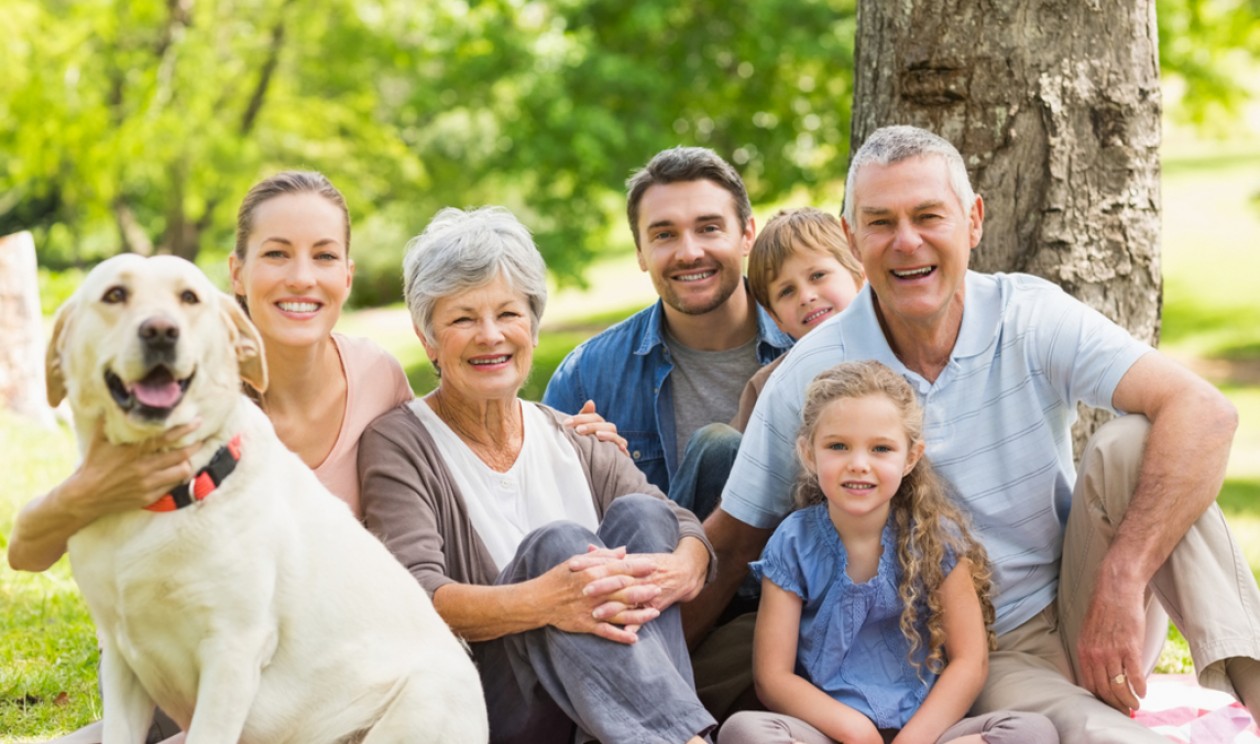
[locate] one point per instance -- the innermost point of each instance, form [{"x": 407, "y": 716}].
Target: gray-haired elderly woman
[{"x": 547, "y": 550}]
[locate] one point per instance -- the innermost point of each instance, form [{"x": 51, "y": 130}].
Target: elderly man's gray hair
[
  {"x": 461, "y": 250},
  {"x": 889, "y": 145}
]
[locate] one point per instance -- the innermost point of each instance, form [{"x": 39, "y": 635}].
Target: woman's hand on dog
[
  {"x": 121, "y": 477},
  {"x": 111, "y": 478}
]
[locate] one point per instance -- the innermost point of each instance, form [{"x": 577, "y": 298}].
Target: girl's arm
[
  {"x": 778, "y": 685},
  {"x": 967, "y": 661}
]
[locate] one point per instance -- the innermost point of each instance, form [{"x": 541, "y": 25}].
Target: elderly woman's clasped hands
[{"x": 619, "y": 592}]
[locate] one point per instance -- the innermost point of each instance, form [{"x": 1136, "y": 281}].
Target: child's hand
[{"x": 851, "y": 727}]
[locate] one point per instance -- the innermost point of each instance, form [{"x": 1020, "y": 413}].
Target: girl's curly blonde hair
[{"x": 929, "y": 522}]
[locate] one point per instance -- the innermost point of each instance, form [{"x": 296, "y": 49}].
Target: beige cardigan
[{"x": 413, "y": 504}]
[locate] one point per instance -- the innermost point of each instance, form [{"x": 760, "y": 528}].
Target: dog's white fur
[{"x": 265, "y": 613}]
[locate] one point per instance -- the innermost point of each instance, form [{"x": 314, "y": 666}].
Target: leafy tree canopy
[{"x": 139, "y": 124}]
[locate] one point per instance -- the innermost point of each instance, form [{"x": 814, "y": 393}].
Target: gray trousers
[
  {"x": 542, "y": 683},
  {"x": 1205, "y": 586},
  {"x": 1004, "y": 727}
]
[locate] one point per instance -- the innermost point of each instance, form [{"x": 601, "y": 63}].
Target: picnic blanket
[{"x": 1178, "y": 708}]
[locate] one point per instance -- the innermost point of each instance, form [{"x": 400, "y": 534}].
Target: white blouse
[{"x": 544, "y": 485}]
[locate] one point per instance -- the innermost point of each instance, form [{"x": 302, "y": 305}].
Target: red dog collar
[{"x": 204, "y": 482}]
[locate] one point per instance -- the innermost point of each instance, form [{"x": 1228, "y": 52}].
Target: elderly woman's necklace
[{"x": 498, "y": 453}]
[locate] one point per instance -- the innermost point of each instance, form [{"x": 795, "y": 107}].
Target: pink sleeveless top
[{"x": 375, "y": 383}]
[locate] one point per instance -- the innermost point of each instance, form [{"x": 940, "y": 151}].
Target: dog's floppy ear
[
  {"x": 246, "y": 343},
  {"x": 54, "y": 377}
]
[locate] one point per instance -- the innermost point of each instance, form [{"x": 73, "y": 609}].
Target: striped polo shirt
[{"x": 997, "y": 420}]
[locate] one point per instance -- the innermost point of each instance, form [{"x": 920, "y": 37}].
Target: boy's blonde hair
[
  {"x": 788, "y": 232},
  {"x": 930, "y": 525}
]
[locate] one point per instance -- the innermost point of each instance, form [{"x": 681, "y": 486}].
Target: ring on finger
[{"x": 1119, "y": 679}]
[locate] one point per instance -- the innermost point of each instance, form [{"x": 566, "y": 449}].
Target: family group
[{"x": 823, "y": 490}]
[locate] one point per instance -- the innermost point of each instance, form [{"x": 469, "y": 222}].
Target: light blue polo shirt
[{"x": 997, "y": 421}]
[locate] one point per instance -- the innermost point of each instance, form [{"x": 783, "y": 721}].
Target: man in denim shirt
[{"x": 670, "y": 376}]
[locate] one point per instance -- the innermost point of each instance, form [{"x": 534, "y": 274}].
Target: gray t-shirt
[{"x": 707, "y": 385}]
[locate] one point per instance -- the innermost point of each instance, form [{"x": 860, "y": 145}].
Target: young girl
[{"x": 875, "y": 619}]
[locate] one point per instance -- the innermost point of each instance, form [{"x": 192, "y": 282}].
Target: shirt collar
[
  {"x": 979, "y": 326},
  {"x": 978, "y": 332}
]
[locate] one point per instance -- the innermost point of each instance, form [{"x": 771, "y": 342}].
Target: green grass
[
  {"x": 1210, "y": 229},
  {"x": 47, "y": 642},
  {"x": 1211, "y": 319}
]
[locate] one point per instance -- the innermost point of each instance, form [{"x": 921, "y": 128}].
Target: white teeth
[
  {"x": 816, "y": 315},
  {"x": 914, "y": 272},
  {"x": 694, "y": 277},
  {"x": 298, "y": 307},
  {"x": 494, "y": 360},
  {"x": 858, "y": 485}
]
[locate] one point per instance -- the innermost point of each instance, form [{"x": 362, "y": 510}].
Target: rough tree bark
[
  {"x": 22, "y": 386},
  {"x": 1055, "y": 105}
]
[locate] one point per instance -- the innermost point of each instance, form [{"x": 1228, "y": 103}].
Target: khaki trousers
[{"x": 1205, "y": 586}]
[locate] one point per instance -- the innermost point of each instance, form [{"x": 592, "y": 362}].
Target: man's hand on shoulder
[{"x": 588, "y": 421}]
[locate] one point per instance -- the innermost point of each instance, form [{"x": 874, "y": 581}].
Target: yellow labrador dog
[{"x": 251, "y": 606}]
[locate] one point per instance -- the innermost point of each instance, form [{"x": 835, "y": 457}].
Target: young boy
[{"x": 801, "y": 271}]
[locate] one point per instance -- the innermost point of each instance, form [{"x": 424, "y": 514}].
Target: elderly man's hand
[{"x": 1109, "y": 648}]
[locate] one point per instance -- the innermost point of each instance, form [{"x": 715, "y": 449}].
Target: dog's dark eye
[
  {"x": 189, "y": 297},
  {"x": 114, "y": 295}
]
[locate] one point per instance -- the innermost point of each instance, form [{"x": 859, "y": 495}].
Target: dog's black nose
[{"x": 159, "y": 333}]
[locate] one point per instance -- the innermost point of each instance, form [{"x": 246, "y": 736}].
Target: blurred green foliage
[
  {"x": 139, "y": 124},
  {"x": 1211, "y": 46}
]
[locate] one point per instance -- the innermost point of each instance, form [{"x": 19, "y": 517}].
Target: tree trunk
[
  {"x": 22, "y": 386},
  {"x": 1055, "y": 106}
]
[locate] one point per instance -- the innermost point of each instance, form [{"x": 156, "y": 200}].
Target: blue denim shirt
[{"x": 625, "y": 370}]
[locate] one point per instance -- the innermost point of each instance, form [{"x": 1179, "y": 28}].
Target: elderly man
[{"x": 1000, "y": 362}]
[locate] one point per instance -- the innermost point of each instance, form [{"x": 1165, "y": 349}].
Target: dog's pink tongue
[{"x": 158, "y": 390}]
